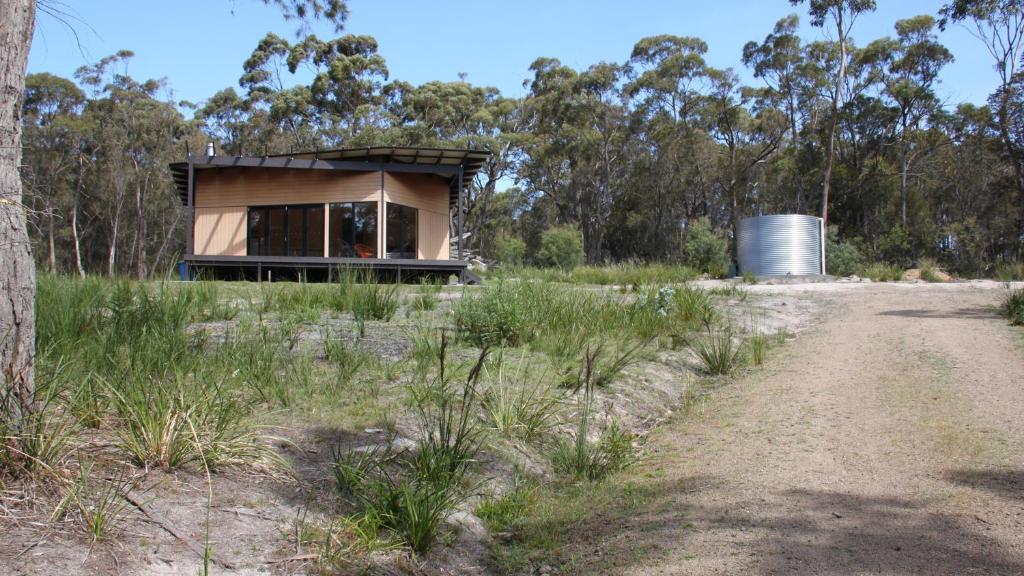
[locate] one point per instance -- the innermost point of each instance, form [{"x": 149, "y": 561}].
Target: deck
[{"x": 258, "y": 267}]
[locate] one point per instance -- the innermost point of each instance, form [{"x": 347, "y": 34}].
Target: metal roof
[{"x": 441, "y": 161}]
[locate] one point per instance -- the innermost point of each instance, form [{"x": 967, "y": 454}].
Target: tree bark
[{"x": 17, "y": 270}]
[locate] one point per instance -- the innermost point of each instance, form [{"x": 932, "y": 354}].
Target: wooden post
[{"x": 459, "y": 208}]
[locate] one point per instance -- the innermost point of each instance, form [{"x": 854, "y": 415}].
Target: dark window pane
[
  {"x": 341, "y": 231},
  {"x": 257, "y": 244},
  {"x": 365, "y": 229},
  {"x": 354, "y": 230},
  {"x": 401, "y": 231},
  {"x": 276, "y": 238},
  {"x": 296, "y": 230},
  {"x": 315, "y": 231}
]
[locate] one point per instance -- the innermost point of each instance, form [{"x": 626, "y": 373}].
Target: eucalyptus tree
[
  {"x": 667, "y": 85},
  {"x": 999, "y": 25},
  {"x": 840, "y": 15},
  {"x": 50, "y": 142},
  {"x": 907, "y": 68},
  {"x": 572, "y": 156},
  {"x": 779, "y": 62}
]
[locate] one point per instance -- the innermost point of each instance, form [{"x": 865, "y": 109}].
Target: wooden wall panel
[
  {"x": 220, "y": 231},
  {"x": 432, "y": 235},
  {"x": 271, "y": 186},
  {"x": 422, "y": 191}
]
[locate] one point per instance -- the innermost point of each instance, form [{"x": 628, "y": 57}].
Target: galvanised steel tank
[{"x": 780, "y": 245}]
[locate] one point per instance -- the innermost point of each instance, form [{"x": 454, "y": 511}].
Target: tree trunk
[
  {"x": 115, "y": 230},
  {"x": 51, "y": 256},
  {"x": 76, "y": 240},
  {"x": 17, "y": 270}
]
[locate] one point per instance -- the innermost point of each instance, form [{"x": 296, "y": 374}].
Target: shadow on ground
[
  {"x": 977, "y": 312},
  {"x": 1006, "y": 482},
  {"x": 798, "y": 532}
]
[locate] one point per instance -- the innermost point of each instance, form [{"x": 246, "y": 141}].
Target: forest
[{"x": 629, "y": 156}]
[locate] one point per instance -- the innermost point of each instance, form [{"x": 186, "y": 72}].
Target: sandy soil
[{"x": 888, "y": 439}]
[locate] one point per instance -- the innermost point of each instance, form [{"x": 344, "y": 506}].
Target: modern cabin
[{"x": 381, "y": 208}]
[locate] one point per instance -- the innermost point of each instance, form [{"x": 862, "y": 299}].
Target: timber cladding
[
  {"x": 275, "y": 186},
  {"x": 223, "y": 196}
]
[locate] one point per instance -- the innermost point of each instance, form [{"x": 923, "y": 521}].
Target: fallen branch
[{"x": 170, "y": 529}]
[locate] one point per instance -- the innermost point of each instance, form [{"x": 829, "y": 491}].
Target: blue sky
[{"x": 200, "y": 45}]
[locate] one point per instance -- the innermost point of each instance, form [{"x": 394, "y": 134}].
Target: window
[
  {"x": 286, "y": 230},
  {"x": 401, "y": 231},
  {"x": 353, "y": 230}
]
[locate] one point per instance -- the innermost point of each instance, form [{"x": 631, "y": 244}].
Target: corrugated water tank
[{"x": 780, "y": 245}]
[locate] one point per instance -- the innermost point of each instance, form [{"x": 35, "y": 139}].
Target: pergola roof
[{"x": 440, "y": 161}]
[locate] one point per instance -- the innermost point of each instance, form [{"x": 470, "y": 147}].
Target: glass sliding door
[
  {"x": 277, "y": 237},
  {"x": 286, "y": 231},
  {"x": 401, "y": 231},
  {"x": 353, "y": 230}
]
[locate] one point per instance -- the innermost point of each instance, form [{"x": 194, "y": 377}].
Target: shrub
[
  {"x": 509, "y": 250},
  {"x": 1009, "y": 271},
  {"x": 560, "y": 247},
  {"x": 843, "y": 258},
  {"x": 929, "y": 270},
  {"x": 1013, "y": 307},
  {"x": 498, "y": 315},
  {"x": 706, "y": 250}
]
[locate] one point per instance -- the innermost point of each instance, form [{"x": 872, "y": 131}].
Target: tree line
[{"x": 629, "y": 155}]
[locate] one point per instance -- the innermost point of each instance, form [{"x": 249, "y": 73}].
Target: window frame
[{"x": 307, "y": 250}]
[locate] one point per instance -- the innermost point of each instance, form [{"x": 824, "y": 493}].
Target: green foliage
[
  {"x": 881, "y": 272},
  {"x": 509, "y": 250},
  {"x": 36, "y": 443},
  {"x": 580, "y": 457},
  {"x": 1009, "y": 272},
  {"x": 373, "y": 302},
  {"x": 175, "y": 398},
  {"x": 758, "y": 345},
  {"x": 501, "y": 315},
  {"x": 706, "y": 250},
  {"x": 505, "y": 513},
  {"x": 560, "y": 247},
  {"x": 1013, "y": 307},
  {"x": 717, "y": 352},
  {"x": 516, "y": 405},
  {"x": 844, "y": 258},
  {"x": 413, "y": 497},
  {"x": 929, "y": 270}
]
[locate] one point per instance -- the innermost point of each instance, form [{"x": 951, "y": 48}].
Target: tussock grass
[
  {"x": 717, "y": 352},
  {"x": 412, "y": 497},
  {"x": 1009, "y": 272},
  {"x": 1013, "y": 307},
  {"x": 581, "y": 458},
  {"x": 881, "y": 272},
  {"x": 616, "y": 274},
  {"x": 516, "y": 404}
]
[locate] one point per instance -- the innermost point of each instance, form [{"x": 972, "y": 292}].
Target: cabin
[{"x": 391, "y": 210}]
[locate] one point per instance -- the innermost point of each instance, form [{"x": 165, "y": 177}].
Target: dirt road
[{"x": 889, "y": 439}]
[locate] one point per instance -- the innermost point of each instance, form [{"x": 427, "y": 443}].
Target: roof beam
[{"x": 315, "y": 164}]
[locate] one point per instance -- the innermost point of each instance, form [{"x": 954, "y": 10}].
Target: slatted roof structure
[{"x": 446, "y": 162}]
